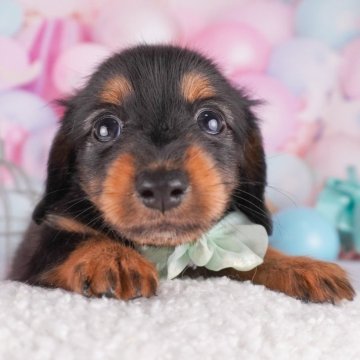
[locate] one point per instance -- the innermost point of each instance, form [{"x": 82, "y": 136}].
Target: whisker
[
  {"x": 284, "y": 193},
  {"x": 250, "y": 202}
]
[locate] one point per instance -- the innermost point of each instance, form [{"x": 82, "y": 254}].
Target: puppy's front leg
[
  {"x": 300, "y": 277},
  {"x": 100, "y": 267}
]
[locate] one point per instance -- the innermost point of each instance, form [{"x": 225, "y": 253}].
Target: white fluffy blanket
[{"x": 189, "y": 319}]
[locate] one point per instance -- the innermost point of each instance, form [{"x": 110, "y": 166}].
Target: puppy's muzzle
[{"x": 161, "y": 189}]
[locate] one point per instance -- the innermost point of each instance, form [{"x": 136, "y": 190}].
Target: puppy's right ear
[{"x": 59, "y": 172}]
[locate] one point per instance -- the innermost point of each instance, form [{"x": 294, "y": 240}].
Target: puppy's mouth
[
  {"x": 164, "y": 205},
  {"x": 165, "y": 233}
]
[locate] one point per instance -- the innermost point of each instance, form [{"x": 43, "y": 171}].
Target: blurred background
[{"x": 302, "y": 57}]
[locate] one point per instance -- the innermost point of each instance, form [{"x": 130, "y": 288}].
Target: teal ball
[{"x": 305, "y": 232}]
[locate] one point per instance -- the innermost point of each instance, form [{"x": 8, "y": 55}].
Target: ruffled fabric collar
[{"x": 233, "y": 242}]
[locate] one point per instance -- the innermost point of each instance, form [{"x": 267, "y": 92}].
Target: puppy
[{"x": 154, "y": 150}]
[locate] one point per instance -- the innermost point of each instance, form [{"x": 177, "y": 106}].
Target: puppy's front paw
[
  {"x": 104, "y": 268},
  {"x": 319, "y": 282},
  {"x": 311, "y": 281}
]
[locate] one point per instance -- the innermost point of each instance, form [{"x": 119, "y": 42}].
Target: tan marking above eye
[
  {"x": 195, "y": 86},
  {"x": 115, "y": 90}
]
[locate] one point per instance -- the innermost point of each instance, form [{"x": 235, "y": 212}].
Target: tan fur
[
  {"x": 204, "y": 178},
  {"x": 198, "y": 211},
  {"x": 195, "y": 86},
  {"x": 101, "y": 266},
  {"x": 116, "y": 198},
  {"x": 299, "y": 277},
  {"x": 116, "y": 90},
  {"x": 68, "y": 224}
]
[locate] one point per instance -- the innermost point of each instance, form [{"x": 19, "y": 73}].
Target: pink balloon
[
  {"x": 192, "y": 16},
  {"x": 278, "y": 114},
  {"x": 52, "y": 38},
  {"x": 132, "y": 22},
  {"x": 74, "y": 65},
  {"x": 276, "y": 27},
  {"x": 13, "y": 136},
  {"x": 350, "y": 70},
  {"x": 5, "y": 176},
  {"x": 331, "y": 155},
  {"x": 300, "y": 143},
  {"x": 341, "y": 115},
  {"x": 26, "y": 109},
  {"x": 234, "y": 46},
  {"x": 52, "y": 9},
  {"x": 15, "y": 67}
]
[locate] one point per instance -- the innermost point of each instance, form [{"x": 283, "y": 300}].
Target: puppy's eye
[
  {"x": 210, "y": 122},
  {"x": 107, "y": 128}
]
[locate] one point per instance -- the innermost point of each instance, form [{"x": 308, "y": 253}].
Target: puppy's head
[{"x": 157, "y": 148}]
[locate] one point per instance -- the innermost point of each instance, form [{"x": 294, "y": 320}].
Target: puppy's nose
[{"x": 161, "y": 190}]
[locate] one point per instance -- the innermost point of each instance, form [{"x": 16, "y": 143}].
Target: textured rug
[{"x": 189, "y": 319}]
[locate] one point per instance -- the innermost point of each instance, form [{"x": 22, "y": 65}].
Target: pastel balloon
[
  {"x": 36, "y": 150},
  {"x": 341, "y": 115},
  {"x": 275, "y": 28},
  {"x": 26, "y": 109},
  {"x": 52, "y": 38},
  {"x": 304, "y": 138},
  {"x": 331, "y": 156},
  {"x": 13, "y": 136},
  {"x": 15, "y": 67},
  {"x": 234, "y": 46},
  {"x": 305, "y": 232},
  {"x": 304, "y": 64},
  {"x": 350, "y": 70},
  {"x": 291, "y": 181},
  {"x": 53, "y": 9},
  {"x": 277, "y": 113},
  {"x": 331, "y": 21},
  {"x": 11, "y": 17},
  {"x": 129, "y": 23},
  {"x": 192, "y": 16},
  {"x": 75, "y": 65}
]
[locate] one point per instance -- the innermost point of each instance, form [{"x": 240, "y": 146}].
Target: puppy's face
[{"x": 160, "y": 145}]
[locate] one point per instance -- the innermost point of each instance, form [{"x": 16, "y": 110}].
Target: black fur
[{"x": 157, "y": 124}]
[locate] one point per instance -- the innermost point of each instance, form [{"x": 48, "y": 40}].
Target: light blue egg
[
  {"x": 11, "y": 17},
  {"x": 335, "y": 22},
  {"x": 305, "y": 232}
]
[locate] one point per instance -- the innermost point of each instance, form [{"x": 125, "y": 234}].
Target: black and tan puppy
[{"x": 155, "y": 149}]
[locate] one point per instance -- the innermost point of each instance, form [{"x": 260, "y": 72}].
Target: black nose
[{"x": 161, "y": 189}]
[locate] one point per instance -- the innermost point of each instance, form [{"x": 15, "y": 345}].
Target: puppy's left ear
[{"x": 248, "y": 196}]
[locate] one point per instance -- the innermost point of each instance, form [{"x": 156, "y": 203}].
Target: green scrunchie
[{"x": 234, "y": 242}]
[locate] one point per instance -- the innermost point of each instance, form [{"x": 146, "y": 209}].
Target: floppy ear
[
  {"x": 249, "y": 194},
  {"x": 59, "y": 173}
]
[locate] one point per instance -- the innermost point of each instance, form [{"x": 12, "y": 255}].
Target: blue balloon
[
  {"x": 335, "y": 22},
  {"x": 11, "y": 17},
  {"x": 305, "y": 232}
]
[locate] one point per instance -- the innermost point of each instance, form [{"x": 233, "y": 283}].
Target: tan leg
[
  {"x": 103, "y": 267},
  {"x": 299, "y": 277}
]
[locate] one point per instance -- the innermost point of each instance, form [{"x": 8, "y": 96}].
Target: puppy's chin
[{"x": 164, "y": 235}]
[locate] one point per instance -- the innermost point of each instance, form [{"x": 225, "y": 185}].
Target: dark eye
[
  {"x": 210, "y": 122},
  {"x": 107, "y": 128}
]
